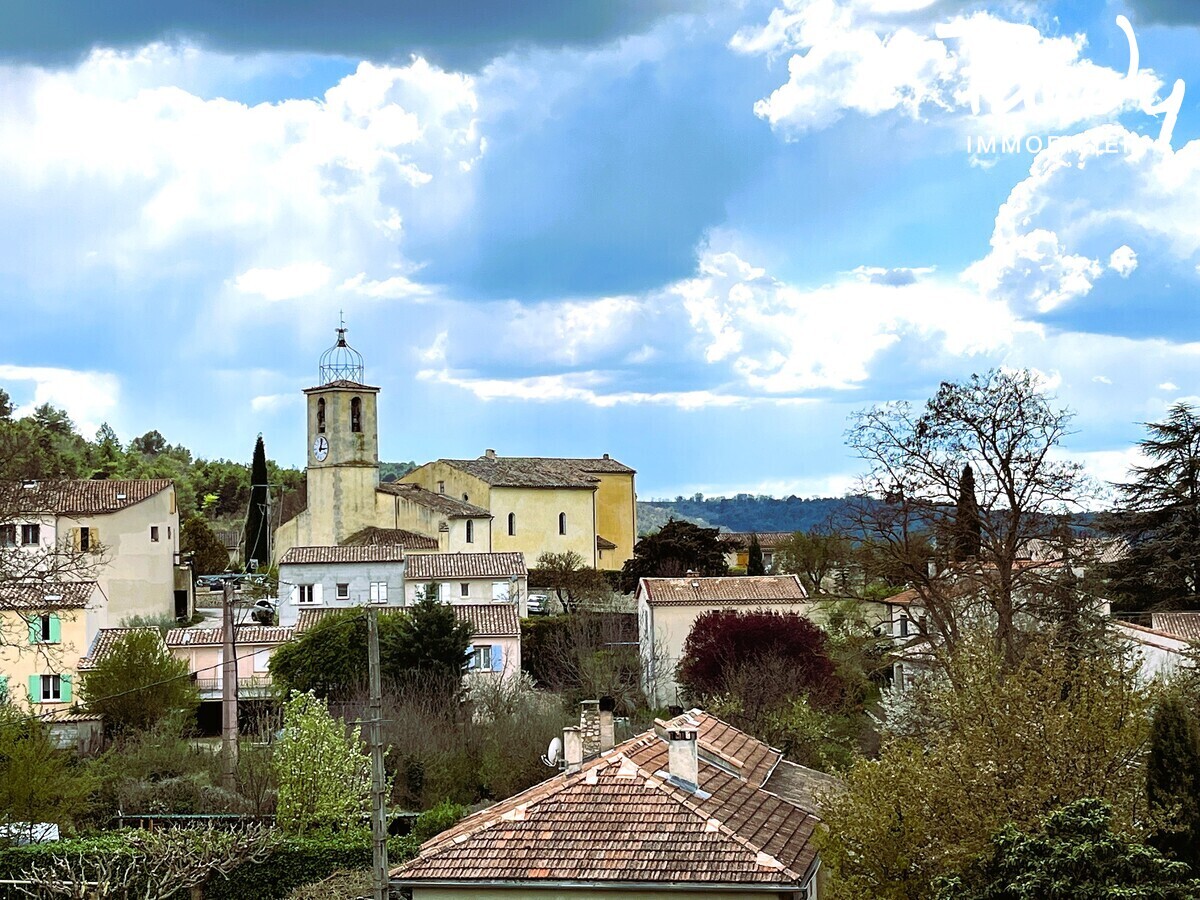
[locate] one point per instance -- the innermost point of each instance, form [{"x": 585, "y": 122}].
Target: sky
[{"x": 696, "y": 235}]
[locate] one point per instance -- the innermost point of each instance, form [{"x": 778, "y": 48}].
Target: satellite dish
[{"x": 553, "y": 752}]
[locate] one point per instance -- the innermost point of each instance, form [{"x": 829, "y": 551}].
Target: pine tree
[
  {"x": 1173, "y": 779},
  {"x": 754, "y": 558},
  {"x": 968, "y": 528},
  {"x": 258, "y": 538},
  {"x": 1159, "y": 515}
]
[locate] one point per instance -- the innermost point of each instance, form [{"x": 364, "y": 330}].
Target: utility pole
[
  {"x": 229, "y": 705},
  {"x": 379, "y": 824}
]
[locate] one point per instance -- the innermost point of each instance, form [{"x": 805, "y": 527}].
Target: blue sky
[{"x": 696, "y": 235}]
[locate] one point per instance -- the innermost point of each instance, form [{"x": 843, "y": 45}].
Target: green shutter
[
  {"x": 35, "y": 688},
  {"x": 35, "y": 629},
  {"x": 65, "y": 682},
  {"x": 3, "y": 688},
  {"x": 55, "y": 630}
]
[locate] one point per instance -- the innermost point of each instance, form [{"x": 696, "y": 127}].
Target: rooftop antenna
[{"x": 553, "y": 752}]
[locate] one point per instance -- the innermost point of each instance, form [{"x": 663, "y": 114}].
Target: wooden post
[
  {"x": 379, "y": 824},
  {"x": 229, "y": 706}
]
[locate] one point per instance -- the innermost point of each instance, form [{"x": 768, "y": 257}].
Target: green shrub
[{"x": 436, "y": 820}]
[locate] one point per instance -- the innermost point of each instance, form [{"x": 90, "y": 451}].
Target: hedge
[{"x": 296, "y": 861}]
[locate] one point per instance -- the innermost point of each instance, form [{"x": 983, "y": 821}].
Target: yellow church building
[{"x": 531, "y": 505}]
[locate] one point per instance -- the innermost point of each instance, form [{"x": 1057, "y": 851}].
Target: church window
[
  {"x": 512, "y": 523},
  {"x": 441, "y": 487},
  {"x": 355, "y": 414},
  {"x": 562, "y": 523},
  {"x": 466, "y": 499},
  {"x": 470, "y": 532},
  {"x": 321, "y": 416}
]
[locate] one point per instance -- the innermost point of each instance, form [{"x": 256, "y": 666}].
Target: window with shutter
[
  {"x": 65, "y": 684},
  {"x": 8, "y": 535},
  {"x": 54, "y": 632},
  {"x": 497, "y": 658},
  {"x": 94, "y": 539}
]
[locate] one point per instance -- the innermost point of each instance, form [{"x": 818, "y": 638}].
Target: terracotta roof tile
[
  {"x": 307, "y": 618},
  {"x": 358, "y": 553},
  {"x": 533, "y": 471},
  {"x": 617, "y": 821},
  {"x": 104, "y": 641},
  {"x": 409, "y": 540},
  {"x": 42, "y": 595},
  {"x": 440, "y": 503},
  {"x": 768, "y": 540},
  {"x": 731, "y": 589},
  {"x": 1185, "y": 625},
  {"x": 341, "y": 384},
  {"x": 465, "y": 565},
  {"x": 243, "y": 634},
  {"x": 603, "y": 543},
  {"x": 489, "y": 619},
  {"x": 78, "y": 497}
]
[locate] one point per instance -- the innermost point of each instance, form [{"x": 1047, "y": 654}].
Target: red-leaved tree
[{"x": 764, "y": 656}]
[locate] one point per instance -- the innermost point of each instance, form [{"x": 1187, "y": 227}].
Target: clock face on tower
[{"x": 320, "y": 448}]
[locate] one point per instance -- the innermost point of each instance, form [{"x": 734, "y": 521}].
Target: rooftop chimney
[
  {"x": 490, "y": 453},
  {"x": 572, "y": 749},
  {"x": 608, "y": 733},
  {"x": 682, "y": 761},
  {"x": 606, "y": 456},
  {"x": 589, "y": 727}
]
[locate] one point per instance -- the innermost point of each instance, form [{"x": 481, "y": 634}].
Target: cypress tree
[
  {"x": 258, "y": 537},
  {"x": 1173, "y": 780},
  {"x": 968, "y": 527},
  {"x": 754, "y": 559}
]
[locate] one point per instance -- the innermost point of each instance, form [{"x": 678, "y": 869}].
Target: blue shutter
[
  {"x": 55, "y": 630},
  {"x": 65, "y": 682},
  {"x": 470, "y": 656},
  {"x": 497, "y": 658}
]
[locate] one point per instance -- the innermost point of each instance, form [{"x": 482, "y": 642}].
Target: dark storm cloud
[{"x": 459, "y": 33}]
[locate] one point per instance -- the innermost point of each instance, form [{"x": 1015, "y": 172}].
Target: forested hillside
[{"x": 743, "y": 512}]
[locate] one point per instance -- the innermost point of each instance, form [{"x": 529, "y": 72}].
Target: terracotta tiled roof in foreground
[
  {"x": 619, "y": 822},
  {"x": 79, "y": 497},
  {"x": 731, "y": 589},
  {"x": 489, "y": 619},
  {"x": 465, "y": 565},
  {"x": 359, "y": 553}
]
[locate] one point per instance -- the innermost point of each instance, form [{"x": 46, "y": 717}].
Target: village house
[
  {"x": 46, "y": 631},
  {"x": 203, "y": 650},
  {"x": 668, "y": 607},
  {"x": 492, "y": 504},
  {"x": 470, "y": 578},
  {"x": 124, "y": 535},
  {"x": 737, "y": 547},
  {"x": 340, "y": 578},
  {"x": 495, "y": 648},
  {"x": 693, "y": 808}
]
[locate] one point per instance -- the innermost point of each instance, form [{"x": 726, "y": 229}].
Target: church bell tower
[{"x": 343, "y": 446}]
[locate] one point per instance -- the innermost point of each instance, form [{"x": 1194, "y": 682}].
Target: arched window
[
  {"x": 466, "y": 499},
  {"x": 512, "y": 523},
  {"x": 321, "y": 416},
  {"x": 470, "y": 532},
  {"x": 355, "y": 414},
  {"x": 562, "y": 523}
]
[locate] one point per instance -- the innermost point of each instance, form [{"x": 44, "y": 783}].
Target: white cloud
[
  {"x": 88, "y": 397},
  {"x": 992, "y": 75},
  {"x": 285, "y": 283},
  {"x": 1086, "y": 195},
  {"x": 1168, "y": 386},
  {"x": 1101, "y": 379},
  {"x": 1123, "y": 261},
  {"x": 228, "y": 193},
  {"x": 274, "y": 402}
]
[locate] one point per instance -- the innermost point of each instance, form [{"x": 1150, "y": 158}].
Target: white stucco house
[{"x": 471, "y": 578}]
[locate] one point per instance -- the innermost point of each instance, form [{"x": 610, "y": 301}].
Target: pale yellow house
[
  {"x": 122, "y": 534},
  {"x": 523, "y": 505},
  {"x": 45, "y": 635}
]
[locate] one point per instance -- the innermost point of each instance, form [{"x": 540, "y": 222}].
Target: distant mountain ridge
[{"x": 743, "y": 512}]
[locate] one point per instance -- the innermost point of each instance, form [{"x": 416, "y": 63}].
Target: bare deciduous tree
[{"x": 1005, "y": 427}]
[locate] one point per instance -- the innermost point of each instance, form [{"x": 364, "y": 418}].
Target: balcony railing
[{"x": 249, "y": 686}]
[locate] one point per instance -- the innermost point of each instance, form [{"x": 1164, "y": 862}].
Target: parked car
[
  {"x": 212, "y": 582},
  {"x": 539, "y": 604}
]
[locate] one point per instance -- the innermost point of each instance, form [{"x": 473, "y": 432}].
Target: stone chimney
[
  {"x": 589, "y": 727},
  {"x": 489, "y": 453},
  {"x": 608, "y": 731},
  {"x": 682, "y": 759},
  {"x": 572, "y": 749}
]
